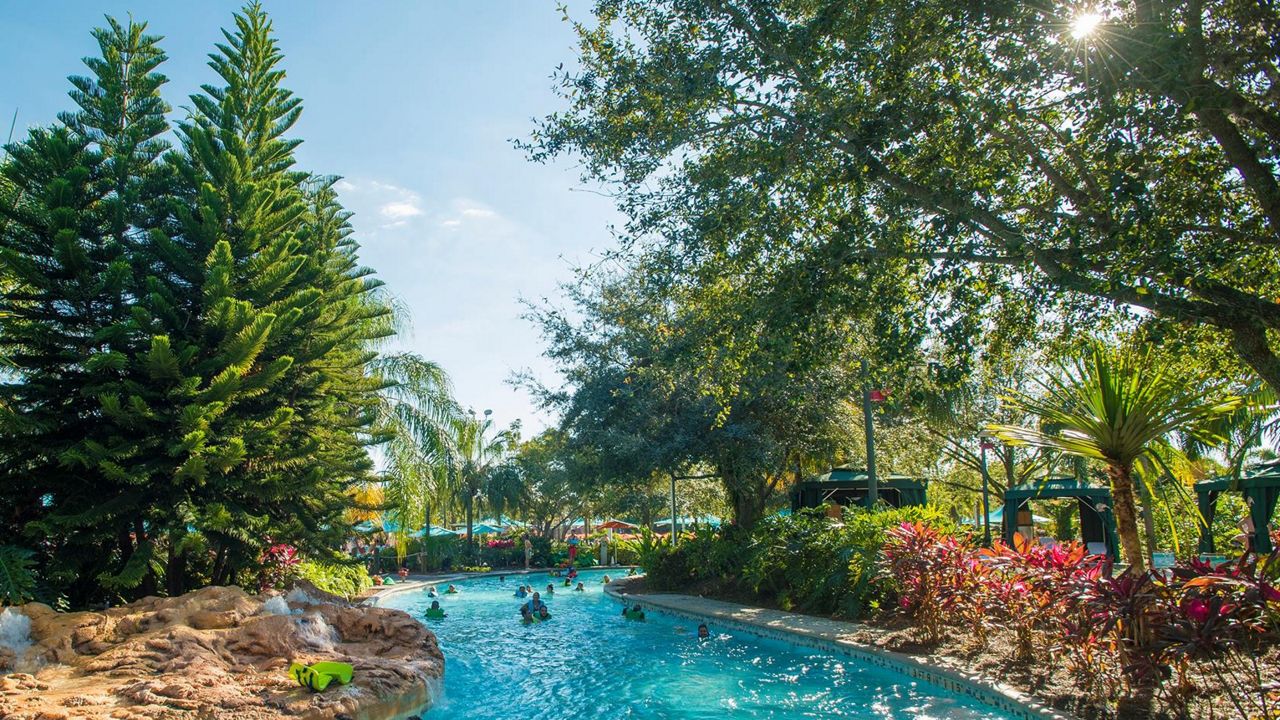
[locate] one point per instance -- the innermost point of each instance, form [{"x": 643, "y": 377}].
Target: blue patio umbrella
[
  {"x": 435, "y": 531},
  {"x": 485, "y": 529}
]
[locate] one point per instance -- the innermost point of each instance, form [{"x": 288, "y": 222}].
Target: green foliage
[
  {"x": 17, "y": 582},
  {"x": 345, "y": 580},
  {"x": 898, "y": 162},
  {"x": 804, "y": 561},
  {"x": 192, "y": 339},
  {"x": 1119, "y": 406}
]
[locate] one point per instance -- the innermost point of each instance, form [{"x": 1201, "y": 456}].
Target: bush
[
  {"x": 340, "y": 579},
  {"x": 802, "y": 561},
  {"x": 274, "y": 566}
]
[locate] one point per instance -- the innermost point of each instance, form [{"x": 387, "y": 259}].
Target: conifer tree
[
  {"x": 78, "y": 198},
  {"x": 192, "y": 338},
  {"x": 275, "y": 403}
]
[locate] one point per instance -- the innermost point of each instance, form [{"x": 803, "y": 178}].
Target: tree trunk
[
  {"x": 747, "y": 508},
  {"x": 1126, "y": 511},
  {"x": 470, "y": 544},
  {"x": 1148, "y": 521},
  {"x": 175, "y": 568}
]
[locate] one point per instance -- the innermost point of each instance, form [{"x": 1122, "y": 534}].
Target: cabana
[
  {"x": 1260, "y": 487},
  {"x": 1097, "y": 521},
  {"x": 848, "y": 486}
]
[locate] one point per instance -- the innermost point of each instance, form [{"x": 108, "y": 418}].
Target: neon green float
[
  {"x": 434, "y": 614},
  {"x": 317, "y": 676}
]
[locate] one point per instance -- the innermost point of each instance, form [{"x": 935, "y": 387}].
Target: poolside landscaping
[
  {"x": 924, "y": 357},
  {"x": 1198, "y": 639}
]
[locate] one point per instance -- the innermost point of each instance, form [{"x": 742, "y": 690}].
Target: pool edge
[{"x": 974, "y": 685}]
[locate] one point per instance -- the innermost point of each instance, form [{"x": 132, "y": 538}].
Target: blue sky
[{"x": 414, "y": 104}]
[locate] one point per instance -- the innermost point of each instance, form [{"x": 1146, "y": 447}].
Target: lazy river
[{"x": 589, "y": 662}]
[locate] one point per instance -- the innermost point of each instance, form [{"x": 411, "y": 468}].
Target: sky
[{"x": 415, "y": 105}]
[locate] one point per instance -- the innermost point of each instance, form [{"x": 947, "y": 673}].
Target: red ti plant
[
  {"x": 274, "y": 565},
  {"x": 1033, "y": 587},
  {"x": 1222, "y": 616},
  {"x": 933, "y": 574}
]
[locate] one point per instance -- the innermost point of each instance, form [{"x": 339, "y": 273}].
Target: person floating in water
[
  {"x": 435, "y": 612},
  {"x": 631, "y": 571},
  {"x": 633, "y": 613},
  {"x": 703, "y": 632},
  {"x": 568, "y": 582},
  {"x": 521, "y": 592},
  {"x": 551, "y": 589},
  {"x": 580, "y": 588},
  {"x": 573, "y": 573},
  {"x": 451, "y": 591},
  {"x": 431, "y": 591},
  {"x": 605, "y": 580},
  {"x": 535, "y": 606},
  {"x": 502, "y": 578}
]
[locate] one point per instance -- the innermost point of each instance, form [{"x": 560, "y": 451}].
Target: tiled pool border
[{"x": 973, "y": 685}]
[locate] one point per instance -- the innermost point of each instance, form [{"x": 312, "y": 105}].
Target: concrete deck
[{"x": 841, "y": 638}]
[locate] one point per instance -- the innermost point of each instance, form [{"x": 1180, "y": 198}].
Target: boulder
[{"x": 217, "y": 653}]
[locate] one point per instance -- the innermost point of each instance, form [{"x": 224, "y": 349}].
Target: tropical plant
[
  {"x": 416, "y": 419},
  {"x": 345, "y": 580},
  {"x": 1115, "y": 405},
  {"x": 478, "y": 450}
]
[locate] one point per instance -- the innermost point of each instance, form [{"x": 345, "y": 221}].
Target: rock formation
[{"x": 217, "y": 653}]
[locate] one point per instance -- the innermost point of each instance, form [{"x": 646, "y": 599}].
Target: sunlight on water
[{"x": 588, "y": 661}]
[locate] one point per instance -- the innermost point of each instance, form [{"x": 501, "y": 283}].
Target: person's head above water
[
  {"x": 703, "y": 631},
  {"x": 435, "y": 604},
  {"x": 581, "y": 586}
]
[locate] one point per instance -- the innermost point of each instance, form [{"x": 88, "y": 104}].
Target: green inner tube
[
  {"x": 340, "y": 671},
  {"x": 633, "y": 615},
  {"x": 435, "y": 614},
  {"x": 318, "y": 676}
]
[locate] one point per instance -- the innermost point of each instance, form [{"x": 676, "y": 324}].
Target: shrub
[
  {"x": 346, "y": 580},
  {"x": 933, "y": 574},
  {"x": 274, "y": 566}
]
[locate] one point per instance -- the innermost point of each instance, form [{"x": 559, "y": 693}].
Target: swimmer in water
[
  {"x": 580, "y": 588},
  {"x": 451, "y": 591},
  {"x": 551, "y": 589},
  {"x": 703, "y": 632},
  {"x": 605, "y": 580}
]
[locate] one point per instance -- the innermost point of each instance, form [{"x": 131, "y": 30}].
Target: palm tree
[
  {"x": 415, "y": 424},
  {"x": 1118, "y": 406},
  {"x": 477, "y": 453}
]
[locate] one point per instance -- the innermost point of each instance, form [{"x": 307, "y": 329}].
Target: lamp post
[
  {"x": 673, "y": 509},
  {"x": 984, "y": 444},
  {"x": 869, "y": 428}
]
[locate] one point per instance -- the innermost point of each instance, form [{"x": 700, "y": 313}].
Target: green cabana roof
[
  {"x": 843, "y": 476},
  {"x": 1258, "y": 476},
  {"x": 1058, "y": 487},
  {"x": 848, "y": 486}
]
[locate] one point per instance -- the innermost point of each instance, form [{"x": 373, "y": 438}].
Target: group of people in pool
[{"x": 535, "y": 610}]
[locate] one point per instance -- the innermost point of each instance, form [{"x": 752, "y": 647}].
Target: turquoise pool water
[{"x": 589, "y": 662}]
